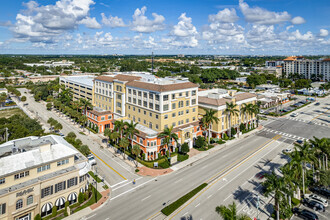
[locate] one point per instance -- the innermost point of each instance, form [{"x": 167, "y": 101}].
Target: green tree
[
  {"x": 256, "y": 111},
  {"x": 169, "y": 136},
  {"x": 123, "y": 143},
  {"x": 231, "y": 109},
  {"x": 230, "y": 213},
  {"x": 37, "y": 217},
  {"x": 84, "y": 149},
  {"x": 85, "y": 104},
  {"x": 107, "y": 133},
  {"x": 54, "y": 211},
  {"x": 80, "y": 197},
  {"x": 83, "y": 120},
  {"x": 131, "y": 130},
  {"x": 185, "y": 148},
  {"x": 114, "y": 137},
  {"x": 209, "y": 117},
  {"x": 49, "y": 106},
  {"x": 23, "y": 99},
  {"x": 200, "y": 142},
  {"x": 136, "y": 151},
  {"x": 71, "y": 135},
  {"x": 58, "y": 126}
]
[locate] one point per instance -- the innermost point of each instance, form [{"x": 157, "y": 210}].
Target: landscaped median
[{"x": 175, "y": 205}]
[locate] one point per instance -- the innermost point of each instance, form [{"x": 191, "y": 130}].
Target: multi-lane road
[{"x": 229, "y": 172}]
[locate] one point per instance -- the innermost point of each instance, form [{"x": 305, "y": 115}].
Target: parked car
[
  {"x": 61, "y": 134},
  {"x": 317, "y": 103},
  {"x": 260, "y": 175},
  {"x": 305, "y": 214},
  {"x": 91, "y": 159},
  {"x": 316, "y": 206},
  {"x": 287, "y": 150},
  {"x": 321, "y": 191},
  {"x": 317, "y": 198},
  {"x": 294, "y": 115},
  {"x": 300, "y": 142}
]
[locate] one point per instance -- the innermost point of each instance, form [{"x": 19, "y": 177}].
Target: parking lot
[{"x": 322, "y": 215}]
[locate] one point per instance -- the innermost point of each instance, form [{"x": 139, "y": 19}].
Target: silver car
[{"x": 317, "y": 198}]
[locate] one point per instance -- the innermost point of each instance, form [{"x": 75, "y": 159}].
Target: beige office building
[
  {"x": 38, "y": 173},
  {"x": 81, "y": 86}
]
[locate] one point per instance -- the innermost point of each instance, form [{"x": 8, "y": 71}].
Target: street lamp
[{"x": 96, "y": 184}]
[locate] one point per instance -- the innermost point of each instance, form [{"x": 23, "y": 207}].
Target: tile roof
[
  {"x": 161, "y": 88},
  {"x": 290, "y": 58},
  {"x": 99, "y": 113},
  {"x": 118, "y": 77},
  {"x": 222, "y": 101},
  {"x": 244, "y": 95}
]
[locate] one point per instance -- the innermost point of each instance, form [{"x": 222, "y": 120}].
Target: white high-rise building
[{"x": 306, "y": 67}]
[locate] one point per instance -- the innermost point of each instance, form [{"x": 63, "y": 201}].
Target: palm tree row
[
  {"x": 295, "y": 174},
  {"x": 231, "y": 112}
]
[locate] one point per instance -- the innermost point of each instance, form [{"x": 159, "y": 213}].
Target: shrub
[
  {"x": 233, "y": 131},
  {"x": 295, "y": 201},
  {"x": 71, "y": 135},
  {"x": 200, "y": 142},
  {"x": 66, "y": 208},
  {"x": 159, "y": 155},
  {"x": 137, "y": 170},
  {"x": 23, "y": 99},
  {"x": 242, "y": 127},
  {"x": 164, "y": 164},
  {"x": 143, "y": 156},
  {"x": 184, "y": 148},
  {"x": 168, "y": 154},
  {"x": 225, "y": 136},
  {"x": 37, "y": 217},
  {"x": 182, "y": 157},
  {"x": 54, "y": 211},
  {"x": 86, "y": 195},
  {"x": 176, "y": 150},
  {"x": 80, "y": 198},
  {"x": 221, "y": 142}
]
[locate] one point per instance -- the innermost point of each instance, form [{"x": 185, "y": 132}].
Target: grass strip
[
  {"x": 95, "y": 177},
  {"x": 175, "y": 205}
]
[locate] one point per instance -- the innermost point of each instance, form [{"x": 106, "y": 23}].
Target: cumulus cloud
[
  {"x": 45, "y": 23},
  {"x": 90, "y": 23},
  {"x": 262, "y": 16},
  {"x": 298, "y": 20},
  {"x": 112, "y": 21},
  {"x": 185, "y": 32},
  {"x": 296, "y": 35},
  {"x": 323, "y": 33},
  {"x": 225, "y": 16},
  {"x": 142, "y": 24}
]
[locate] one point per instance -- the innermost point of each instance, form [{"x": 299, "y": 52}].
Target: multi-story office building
[
  {"x": 81, "y": 86},
  {"x": 307, "y": 67},
  {"x": 216, "y": 99},
  {"x": 38, "y": 173}
]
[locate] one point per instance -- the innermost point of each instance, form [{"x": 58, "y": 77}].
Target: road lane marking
[
  {"x": 90, "y": 217},
  {"x": 145, "y": 198},
  {"x": 210, "y": 196},
  {"x": 118, "y": 183},
  {"x": 263, "y": 146},
  {"x": 153, "y": 215},
  {"x": 197, "y": 205},
  {"x": 320, "y": 115},
  {"x": 204, "y": 167},
  {"x": 132, "y": 189},
  {"x": 184, "y": 214},
  {"x": 109, "y": 166},
  {"x": 227, "y": 197},
  {"x": 178, "y": 180}
]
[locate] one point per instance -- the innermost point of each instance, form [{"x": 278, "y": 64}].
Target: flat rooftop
[
  {"x": 85, "y": 80},
  {"x": 24, "y": 153},
  {"x": 148, "y": 131}
]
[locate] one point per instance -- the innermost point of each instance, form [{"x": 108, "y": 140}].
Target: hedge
[
  {"x": 175, "y": 205},
  {"x": 295, "y": 201},
  {"x": 95, "y": 177},
  {"x": 182, "y": 157}
]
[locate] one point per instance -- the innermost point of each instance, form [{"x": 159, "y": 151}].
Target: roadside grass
[
  {"x": 175, "y": 205},
  {"x": 95, "y": 177},
  {"x": 10, "y": 112},
  {"x": 82, "y": 133}
]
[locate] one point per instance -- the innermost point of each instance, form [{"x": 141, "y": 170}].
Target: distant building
[
  {"x": 181, "y": 55},
  {"x": 39, "y": 173},
  {"x": 274, "y": 63},
  {"x": 268, "y": 87},
  {"x": 4, "y": 90},
  {"x": 307, "y": 67},
  {"x": 81, "y": 86},
  {"x": 63, "y": 63}
]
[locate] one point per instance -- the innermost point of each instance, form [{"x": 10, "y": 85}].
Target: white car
[
  {"x": 287, "y": 150},
  {"x": 318, "y": 199},
  {"x": 91, "y": 159},
  {"x": 294, "y": 115}
]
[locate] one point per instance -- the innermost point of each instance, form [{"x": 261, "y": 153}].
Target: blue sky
[{"x": 247, "y": 27}]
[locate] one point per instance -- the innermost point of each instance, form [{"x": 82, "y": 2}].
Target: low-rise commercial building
[
  {"x": 81, "y": 86},
  {"x": 37, "y": 174}
]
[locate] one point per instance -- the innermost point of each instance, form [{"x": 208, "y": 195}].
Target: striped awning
[
  {"x": 72, "y": 196},
  {"x": 60, "y": 201},
  {"x": 47, "y": 207},
  {"x": 82, "y": 190}
]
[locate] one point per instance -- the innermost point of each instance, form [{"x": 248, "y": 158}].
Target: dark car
[
  {"x": 314, "y": 205},
  {"x": 317, "y": 103},
  {"x": 321, "y": 191},
  {"x": 260, "y": 175},
  {"x": 305, "y": 214},
  {"x": 299, "y": 142}
]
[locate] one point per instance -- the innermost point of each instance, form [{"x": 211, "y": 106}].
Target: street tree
[
  {"x": 208, "y": 119},
  {"x": 123, "y": 143},
  {"x": 136, "y": 151},
  {"x": 169, "y": 136},
  {"x": 131, "y": 130},
  {"x": 107, "y": 133},
  {"x": 230, "y": 213},
  {"x": 231, "y": 109}
]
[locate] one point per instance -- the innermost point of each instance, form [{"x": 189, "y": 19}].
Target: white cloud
[
  {"x": 112, "y": 21},
  {"x": 185, "y": 32},
  {"x": 225, "y": 16},
  {"x": 262, "y": 16},
  {"x": 90, "y": 23},
  {"x": 142, "y": 24},
  {"x": 296, "y": 35},
  {"x": 298, "y": 20},
  {"x": 45, "y": 23},
  {"x": 323, "y": 33},
  {"x": 1, "y": 43}
]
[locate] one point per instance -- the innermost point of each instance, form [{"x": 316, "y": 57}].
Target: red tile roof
[{"x": 161, "y": 88}]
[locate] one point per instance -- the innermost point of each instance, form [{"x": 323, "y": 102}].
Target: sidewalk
[
  {"x": 214, "y": 149},
  {"x": 146, "y": 171}
]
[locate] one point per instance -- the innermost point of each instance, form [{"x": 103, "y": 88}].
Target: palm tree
[
  {"x": 131, "y": 130},
  {"x": 230, "y": 213},
  {"x": 75, "y": 105},
  {"x": 245, "y": 110},
  {"x": 136, "y": 151},
  {"x": 274, "y": 183},
  {"x": 123, "y": 143},
  {"x": 107, "y": 133},
  {"x": 83, "y": 119},
  {"x": 256, "y": 111},
  {"x": 322, "y": 149},
  {"x": 119, "y": 127},
  {"x": 288, "y": 180},
  {"x": 209, "y": 118},
  {"x": 85, "y": 104},
  {"x": 296, "y": 166},
  {"x": 168, "y": 136},
  {"x": 230, "y": 110},
  {"x": 114, "y": 136}
]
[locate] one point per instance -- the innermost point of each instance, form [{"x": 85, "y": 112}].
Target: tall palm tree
[
  {"x": 256, "y": 111},
  {"x": 288, "y": 181},
  {"x": 230, "y": 110},
  {"x": 123, "y": 143},
  {"x": 322, "y": 150},
  {"x": 297, "y": 168},
  {"x": 119, "y": 127},
  {"x": 75, "y": 105},
  {"x": 85, "y": 104},
  {"x": 131, "y": 130},
  {"x": 274, "y": 183},
  {"x": 230, "y": 213},
  {"x": 246, "y": 110},
  {"x": 136, "y": 151},
  {"x": 114, "y": 136},
  {"x": 83, "y": 119},
  {"x": 209, "y": 118},
  {"x": 168, "y": 136},
  {"x": 107, "y": 133}
]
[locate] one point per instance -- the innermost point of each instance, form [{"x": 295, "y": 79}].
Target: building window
[
  {"x": 157, "y": 98},
  {"x": 144, "y": 112},
  {"x": 145, "y": 122},
  {"x": 118, "y": 88},
  {"x": 193, "y": 92},
  {"x": 119, "y": 104},
  {"x": 59, "y": 186},
  {"x": 165, "y": 126},
  {"x": 21, "y": 175},
  {"x": 156, "y": 126},
  {"x": 43, "y": 168},
  {"x": 187, "y": 103},
  {"x": 46, "y": 191},
  {"x": 187, "y": 120},
  {"x": 29, "y": 200},
  {"x": 157, "y": 107},
  {"x": 145, "y": 95},
  {"x": 180, "y": 104},
  {"x": 151, "y": 96},
  {"x": 2, "y": 208},
  {"x": 165, "y": 116},
  {"x": 187, "y": 94},
  {"x": 151, "y": 105},
  {"x": 173, "y": 124},
  {"x": 141, "y": 141},
  {"x": 180, "y": 94},
  {"x": 150, "y": 114},
  {"x": 187, "y": 111},
  {"x": 72, "y": 182},
  {"x": 139, "y": 93},
  {"x": 173, "y": 105},
  {"x": 156, "y": 116},
  {"x": 129, "y": 91},
  {"x": 173, "y": 115},
  {"x": 62, "y": 162},
  {"x": 194, "y": 109},
  {"x": 19, "y": 204},
  {"x": 145, "y": 104},
  {"x": 139, "y": 102},
  {"x": 134, "y": 92},
  {"x": 193, "y": 101},
  {"x": 165, "y": 107},
  {"x": 118, "y": 96},
  {"x": 193, "y": 118},
  {"x": 2, "y": 181},
  {"x": 165, "y": 97},
  {"x": 173, "y": 96},
  {"x": 129, "y": 99}
]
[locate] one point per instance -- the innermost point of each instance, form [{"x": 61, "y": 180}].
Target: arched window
[
  {"x": 19, "y": 204},
  {"x": 29, "y": 200}
]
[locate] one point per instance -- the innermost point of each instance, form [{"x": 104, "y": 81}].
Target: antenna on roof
[{"x": 152, "y": 62}]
